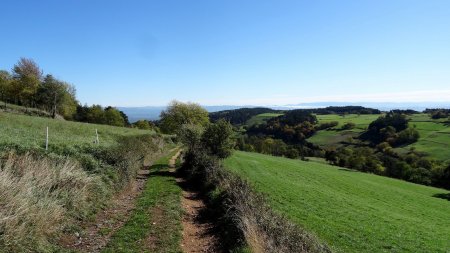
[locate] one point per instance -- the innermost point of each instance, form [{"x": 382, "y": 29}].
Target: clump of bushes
[
  {"x": 348, "y": 126},
  {"x": 327, "y": 125}
]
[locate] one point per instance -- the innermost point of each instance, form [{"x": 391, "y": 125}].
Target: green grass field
[
  {"x": 434, "y": 137},
  {"x": 335, "y": 136},
  {"x": 351, "y": 211},
  {"x": 361, "y": 121},
  {"x": 261, "y": 118},
  {"x": 28, "y": 132}
]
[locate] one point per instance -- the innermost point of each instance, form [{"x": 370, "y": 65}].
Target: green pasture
[{"x": 351, "y": 211}]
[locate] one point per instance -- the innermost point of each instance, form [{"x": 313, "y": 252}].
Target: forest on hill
[{"x": 378, "y": 147}]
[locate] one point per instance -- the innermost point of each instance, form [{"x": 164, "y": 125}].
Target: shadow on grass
[
  {"x": 442, "y": 196},
  {"x": 348, "y": 170}
]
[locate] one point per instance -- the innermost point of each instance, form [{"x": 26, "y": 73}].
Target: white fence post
[
  {"x": 96, "y": 133},
  {"x": 46, "y": 140}
]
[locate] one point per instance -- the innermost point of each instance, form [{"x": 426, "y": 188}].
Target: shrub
[
  {"x": 217, "y": 139},
  {"x": 327, "y": 125},
  {"x": 348, "y": 126}
]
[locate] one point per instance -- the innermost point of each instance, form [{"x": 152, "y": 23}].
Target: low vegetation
[
  {"x": 349, "y": 210},
  {"x": 40, "y": 196},
  {"x": 46, "y": 192},
  {"x": 155, "y": 223}
]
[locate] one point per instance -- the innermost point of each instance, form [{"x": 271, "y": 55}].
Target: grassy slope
[
  {"x": 161, "y": 196},
  {"x": 261, "y": 118},
  {"x": 434, "y": 134},
  {"x": 29, "y": 132},
  {"x": 351, "y": 211},
  {"x": 361, "y": 121},
  {"x": 334, "y": 136},
  {"x": 434, "y": 137}
]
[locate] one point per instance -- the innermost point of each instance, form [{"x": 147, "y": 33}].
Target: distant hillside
[
  {"x": 240, "y": 116},
  {"x": 152, "y": 112}
]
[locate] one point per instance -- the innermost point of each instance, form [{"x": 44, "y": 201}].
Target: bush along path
[{"x": 155, "y": 223}]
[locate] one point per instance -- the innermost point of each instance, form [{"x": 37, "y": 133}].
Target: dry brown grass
[
  {"x": 263, "y": 229},
  {"x": 38, "y": 197}
]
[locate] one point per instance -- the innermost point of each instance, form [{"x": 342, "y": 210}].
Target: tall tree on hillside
[
  {"x": 68, "y": 103},
  {"x": 50, "y": 93},
  {"x": 178, "y": 114},
  {"x": 5, "y": 82},
  {"x": 113, "y": 117},
  {"x": 57, "y": 96},
  {"x": 95, "y": 114},
  {"x": 27, "y": 76}
]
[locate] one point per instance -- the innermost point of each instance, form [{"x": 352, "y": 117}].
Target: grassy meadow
[
  {"x": 434, "y": 137},
  {"x": 351, "y": 211},
  {"x": 28, "y": 132},
  {"x": 261, "y": 118}
]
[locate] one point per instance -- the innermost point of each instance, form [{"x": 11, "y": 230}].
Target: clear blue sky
[{"x": 134, "y": 53}]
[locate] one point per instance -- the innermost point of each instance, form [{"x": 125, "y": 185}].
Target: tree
[
  {"x": 113, "y": 117},
  {"x": 95, "y": 114},
  {"x": 125, "y": 118},
  {"x": 142, "y": 124},
  {"x": 57, "y": 96},
  {"x": 217, "y": 139},
  {"x": 5, "y": 82},
  {"x": 178, "y": 114},
  {"x": 27, "y": 76},
  {"x": 191, "y": 136}
]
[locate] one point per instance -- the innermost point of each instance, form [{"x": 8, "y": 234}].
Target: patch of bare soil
[
  {"x": 97, "y": 233},
  {"x": 198, "y": 232}
]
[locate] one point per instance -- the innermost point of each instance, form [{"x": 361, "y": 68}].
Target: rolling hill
[{"x": 349, "y": 210}]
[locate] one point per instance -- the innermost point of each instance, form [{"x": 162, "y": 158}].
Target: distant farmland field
[
  {"x": 335, "y": 135},
  {"x": 351, "y": 211},
  {"x": 434, "y": 137},
  {"x": 261, "y": 118}
]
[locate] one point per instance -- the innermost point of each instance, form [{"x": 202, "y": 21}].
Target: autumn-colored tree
[
  {"x": 178, "y": 114},
  {"x": 27, "y": 76}
]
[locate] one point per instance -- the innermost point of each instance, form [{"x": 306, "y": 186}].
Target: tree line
[
  {"x": 372, "y": 151},
  {"x": 27, "y": 85}
]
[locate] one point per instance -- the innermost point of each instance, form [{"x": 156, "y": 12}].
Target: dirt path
[
  {"x": 96, "y": 234},
  {"x": 197, "y": 233}
]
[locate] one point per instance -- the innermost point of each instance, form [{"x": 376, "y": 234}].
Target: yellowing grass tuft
[{"x": 38, "y": 196}]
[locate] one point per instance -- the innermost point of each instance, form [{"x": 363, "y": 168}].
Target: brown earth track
[
  {"x": 97, "y": 233},
  {"x": 197, "y": 231},
  {"x": 198, "y": 235}
]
